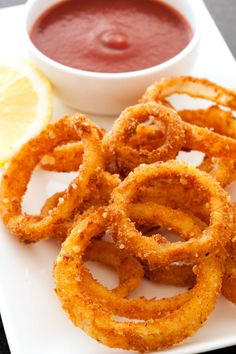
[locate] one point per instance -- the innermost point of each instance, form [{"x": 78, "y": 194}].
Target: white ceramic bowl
[{"x": 104, "y": 93}]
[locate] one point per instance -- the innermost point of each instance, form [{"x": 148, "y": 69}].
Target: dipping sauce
[{"x": 111, "y": 36}]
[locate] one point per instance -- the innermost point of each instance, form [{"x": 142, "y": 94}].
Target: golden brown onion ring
[
  {"x": 181, "y": 274},
  {"x": 31, "y": 228},
  {"x": 197, "y": 137},
  {"x": 94, "y": 317},
  {"x": 186, "y": 226},
  {"x": 216, "y": 235},
  {"x": 126, "y": 157},
  {"x": 191, "y": 86},
  {"x": 140, "y": 308}
]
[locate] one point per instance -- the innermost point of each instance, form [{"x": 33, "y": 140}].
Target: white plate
[{"x": 33, "y": 319}]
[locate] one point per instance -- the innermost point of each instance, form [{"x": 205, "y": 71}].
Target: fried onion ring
[
  {"x": 92, "y": 315},
  {"x": 198, "y": 137},
  {"x": 194, "y": 87},
  {"x": 125, "y": 157},
  {"x": 133, "y": 308},
  {"x": 123, "y": 230},
  {"x": 31, "y": 228}
]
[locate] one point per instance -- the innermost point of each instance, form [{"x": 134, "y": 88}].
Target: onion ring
[
  {"x": 140, "y": 308},
  {"x": 198, "y": 138},
  {"x": 31, "y": 228},
  {"x": 194, "y": 87},
  {"x": 125, "y": 157},
  {"x": 217, "y": 234},
  {"x": 89, "y": 313}
]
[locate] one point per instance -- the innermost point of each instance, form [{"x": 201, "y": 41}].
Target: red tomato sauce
[{"x": 111, "y": 36}]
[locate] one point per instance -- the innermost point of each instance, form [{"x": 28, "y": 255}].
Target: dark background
[{"x": 224, "y": 14}]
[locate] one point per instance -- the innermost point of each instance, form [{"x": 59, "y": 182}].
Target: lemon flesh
[{"x": 25, "y": 104}]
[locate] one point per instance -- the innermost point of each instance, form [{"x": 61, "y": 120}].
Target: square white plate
[{"x": 33, "y": 319}]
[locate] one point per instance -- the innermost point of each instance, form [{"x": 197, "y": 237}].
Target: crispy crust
[
  {"x": 229, "y": 280},
  {"x": 129, "y": 270},
  {"x": 64, "y": 158},
  {"x": 67, "y": 157}
]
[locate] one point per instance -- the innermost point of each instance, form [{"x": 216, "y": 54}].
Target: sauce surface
[{"x": 111, "y": 36}]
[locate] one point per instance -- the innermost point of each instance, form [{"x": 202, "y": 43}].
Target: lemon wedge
[{"x": 25, "y": 104}]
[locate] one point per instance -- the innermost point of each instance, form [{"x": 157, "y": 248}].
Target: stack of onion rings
[{"x": 149, "y": 192}]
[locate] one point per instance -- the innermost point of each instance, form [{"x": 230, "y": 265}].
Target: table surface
[{"x": 224, "y": 13}]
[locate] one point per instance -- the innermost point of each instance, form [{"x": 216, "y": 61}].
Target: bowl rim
[{"x": 121, "y": 75}]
